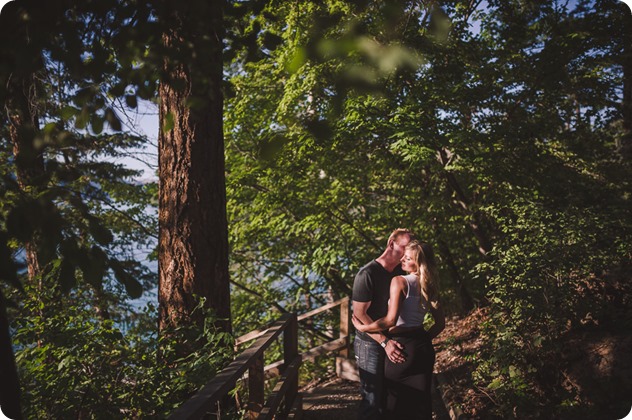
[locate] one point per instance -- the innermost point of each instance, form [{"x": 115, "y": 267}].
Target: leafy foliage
[
  {"x": 488, "y": 128},
  {"x": 495, "y": 140},
  {"x": 73, "y": 362},
  {"x": 64, "y": 186}
]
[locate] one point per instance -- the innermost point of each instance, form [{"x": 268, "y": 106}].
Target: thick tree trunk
[
  {"x": 19, "y": 101},
  {"x": 23, "y": 119},
  {"x": 193, "y": 257}
]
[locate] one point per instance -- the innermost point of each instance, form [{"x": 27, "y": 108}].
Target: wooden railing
[
  {"x": 206, "y": 400},
  {"x": 341, "y": 344}
]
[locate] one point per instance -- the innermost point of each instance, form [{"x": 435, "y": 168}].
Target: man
[{"x": 370, "y": 302}]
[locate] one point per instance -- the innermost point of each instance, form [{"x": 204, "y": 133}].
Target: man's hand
[{"x": 395, "y": 351}]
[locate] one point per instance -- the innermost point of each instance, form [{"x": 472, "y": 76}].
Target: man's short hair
[{"x": 397, "y": 233}]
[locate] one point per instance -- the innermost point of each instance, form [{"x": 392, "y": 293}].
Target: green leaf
[
  {"x": 82, "y": 119},
  {"x": 64, "y": 363},
  {"x": 495, "y": 384},
  {"x": 8, "y": 268},
  {"x": 168, "y": 122},
  {"x": 299, "y": 58},
  {"x": 67, "y": 278},
  {"x": 131, "y": 101},
  {"x": 49, "y": 128},
  {"x": 99, "y": 232},
  {"x": 112, "y": 119},
  {"x": 271, "y": 148},
  {"x": 93, "y": 265},
  {"x": 69, "y": 111},
  {"x": 96, "y": 122},
  {"x": 513, "y": 371},
  {"x": 132, "y": 286}
]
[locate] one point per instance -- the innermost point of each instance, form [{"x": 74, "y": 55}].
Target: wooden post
[
  {"x": 290, "y": 341},
  {"x": 290, "y": 351},
  {"x": 345, "y": 366},
  {"x": 345, "y": 327},
  {"x": 256, "y": 395}
]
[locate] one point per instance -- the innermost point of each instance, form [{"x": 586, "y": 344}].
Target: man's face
[{"x": 399, "y": 245}]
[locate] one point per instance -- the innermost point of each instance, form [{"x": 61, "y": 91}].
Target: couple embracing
[{"x": 391, "y": 297}]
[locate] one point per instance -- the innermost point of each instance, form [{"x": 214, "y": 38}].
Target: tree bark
[
  {"x": 18, "y": 97},
  {"x": 193, "y": 238},
  {"x": 21, "y": 108}
]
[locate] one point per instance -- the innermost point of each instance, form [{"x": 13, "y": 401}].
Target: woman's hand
[{"x": 359, "y": 325}]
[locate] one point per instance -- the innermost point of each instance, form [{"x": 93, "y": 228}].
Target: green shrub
[{"x": 74, "y": 364}]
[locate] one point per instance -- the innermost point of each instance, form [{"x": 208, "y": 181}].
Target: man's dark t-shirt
[{"x": 373, "y": 284}]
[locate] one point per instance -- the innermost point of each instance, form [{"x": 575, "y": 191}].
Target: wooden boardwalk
[
  {"x": 338, "y": 399},
  {"x": 334, "y": 399}
]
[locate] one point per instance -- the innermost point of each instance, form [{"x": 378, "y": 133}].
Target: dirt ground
[
  {"x": 596, "y": 365},
  {"x": 459, "y": 340},
  {"x": 335, "y": 399}
]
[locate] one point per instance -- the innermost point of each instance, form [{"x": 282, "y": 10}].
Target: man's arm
[
  {"x": 393, "y": 348},
  {"x": 396, "y": 295}
]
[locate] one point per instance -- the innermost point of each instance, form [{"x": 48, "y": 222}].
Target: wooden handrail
[
  {"x": 251, "y": 360},
  {"x": 344, "y": 305},
  {"x": 258, "y": 333},
  {"x": 205, "y": 400},
  {"x": 323, "y": 308},
  {"x": 274, "y": 369}
]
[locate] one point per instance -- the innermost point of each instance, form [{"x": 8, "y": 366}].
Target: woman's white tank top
[{"x": 414, "y": 307}]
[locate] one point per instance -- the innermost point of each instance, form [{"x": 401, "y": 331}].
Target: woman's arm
[
  {"x": 439, "y": 319},
  {"x": 396, "y": 294},
  {"x": 359, "y": 314}
]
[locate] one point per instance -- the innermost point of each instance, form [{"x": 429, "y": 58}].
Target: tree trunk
[
  {"x": 464, "y": 203},
  {"x": 19, "y": 101},
  {"x": 193, "y": 238},
  {"x": 467, "y": 304},
  {"x": 9, "y": 385},
  {"x": 21, "y": 106}
]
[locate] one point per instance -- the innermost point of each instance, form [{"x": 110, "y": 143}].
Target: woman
[{"x": 412, "y": 296}]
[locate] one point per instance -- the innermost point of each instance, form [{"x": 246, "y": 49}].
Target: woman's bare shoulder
[{"x": 398, "y": 281}]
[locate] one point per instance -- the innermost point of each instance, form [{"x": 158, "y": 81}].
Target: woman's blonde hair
[{"x": 427, "y": 271}]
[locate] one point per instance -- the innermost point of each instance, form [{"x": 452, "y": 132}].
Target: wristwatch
[{"x": 383, "y": 343}]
